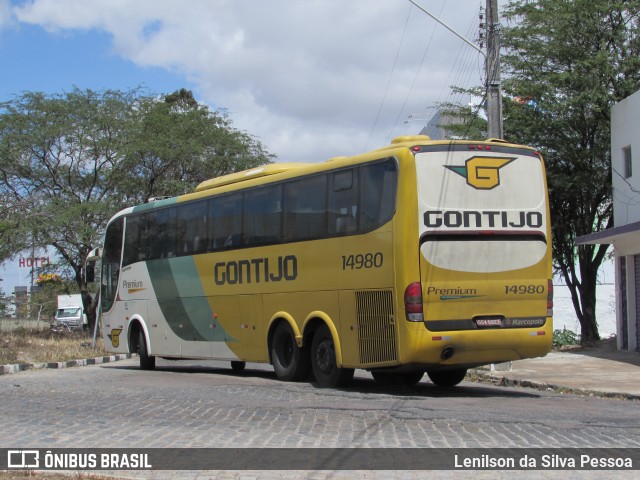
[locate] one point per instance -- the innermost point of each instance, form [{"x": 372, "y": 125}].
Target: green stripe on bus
[{"x": 182, "y": 300}]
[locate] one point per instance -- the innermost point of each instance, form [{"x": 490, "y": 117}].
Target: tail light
[
  {"x": 413, "y": 302},
  {"x": 550, "y": 298}
]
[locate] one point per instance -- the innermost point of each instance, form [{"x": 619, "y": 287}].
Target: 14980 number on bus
[
  {"x": 362, "y": 260},
  {"x": 524, "y": 289}
]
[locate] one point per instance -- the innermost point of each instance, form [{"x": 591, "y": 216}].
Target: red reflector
[
  {"x": 415, "y": 149},
  {"x": 436, "y": 338}
]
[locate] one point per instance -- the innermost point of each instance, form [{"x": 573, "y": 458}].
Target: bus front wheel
[
  {"x": 323, "y": 361},
  {"x": 290, "y": 362},
  {"x": 147, "y": 362},
  {"x": 447, "y": 378}
]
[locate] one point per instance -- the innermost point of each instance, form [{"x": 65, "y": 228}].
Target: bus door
[{"x": 254, "y": 346}]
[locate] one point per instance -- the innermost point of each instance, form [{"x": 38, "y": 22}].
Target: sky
[{"x": 310, "y": 80}]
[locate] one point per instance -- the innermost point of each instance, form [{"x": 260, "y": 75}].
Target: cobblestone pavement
[{"x": 206, "y": 405}]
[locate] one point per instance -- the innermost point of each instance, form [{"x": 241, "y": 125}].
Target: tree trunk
[{"x": 588, "y": 321}]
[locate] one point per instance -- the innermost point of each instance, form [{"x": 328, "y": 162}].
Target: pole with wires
[
  {"x": 494, "y": 93},
  {"x": 492, "y": 65}
]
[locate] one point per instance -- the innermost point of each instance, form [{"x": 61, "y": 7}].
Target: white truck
[{"x": 70, "y": 312}]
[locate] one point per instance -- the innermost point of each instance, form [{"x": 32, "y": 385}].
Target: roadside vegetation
[
  {"x": 565, "y": 338},
  {"x": 33, "y": 346}
]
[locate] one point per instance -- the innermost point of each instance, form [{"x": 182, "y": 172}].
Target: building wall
[
  {"x": 626, "y": 302},
  {"x": 625, "y": 132}
]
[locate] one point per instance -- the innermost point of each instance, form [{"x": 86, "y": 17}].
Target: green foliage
[
  {"x": 564, "y": 337},
  {"x": 68, "y": 162}
]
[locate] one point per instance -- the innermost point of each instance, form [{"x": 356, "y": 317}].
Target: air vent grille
[{"x": 376, "y": 327}]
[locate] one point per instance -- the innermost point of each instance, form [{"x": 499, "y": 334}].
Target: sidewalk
[{"x": 602, "y": 370}]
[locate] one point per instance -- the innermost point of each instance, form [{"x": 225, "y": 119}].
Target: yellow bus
[{"x": 422, "y": 256}]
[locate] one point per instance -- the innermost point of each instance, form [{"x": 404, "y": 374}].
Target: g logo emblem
[
  {"x": 482, "y": 173},
  {"x": 114, "y": 336}
]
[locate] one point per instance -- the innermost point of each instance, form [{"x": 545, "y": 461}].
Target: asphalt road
[{"x": 206, "y": 405}]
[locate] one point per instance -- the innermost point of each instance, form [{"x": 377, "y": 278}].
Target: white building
[
  {"x": 435, "y": 126},
  {"x": 625, "y": 235}
]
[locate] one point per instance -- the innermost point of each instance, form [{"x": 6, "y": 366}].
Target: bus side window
[
  {"x": 343, "y": 202},
  {"x": 162, "y": 233},
  {"x": 305, "y": 208},
  {"x": 225, "y": 222},
  {"x": 377, "y": 194},
  {"x": 111, "y": 263},
  {"x": 192, "y": 228},
  {"x": 130, "y": 242},
  {"x": 143, "y": 249},
  {"x": 136, "y": 243},
  {"x": 263, "y": 215}
]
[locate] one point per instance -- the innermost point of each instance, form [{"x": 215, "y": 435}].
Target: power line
[
  {"x": 384, "y": 97},
  {"x": 415, "y": 78}
]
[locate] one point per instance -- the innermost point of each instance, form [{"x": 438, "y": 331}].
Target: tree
[
  {"x": 68, "y": 162},
  {"x": 566, "y": 62}
]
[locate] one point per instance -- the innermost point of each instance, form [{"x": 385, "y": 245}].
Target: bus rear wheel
[
  {"x": 323, "y": 361},
  {"x": 408, "y": 379},
  {"x": 147, "y": 362},
  {"x": 290, "y": 362},
  {"x": 447, "y": 378}
]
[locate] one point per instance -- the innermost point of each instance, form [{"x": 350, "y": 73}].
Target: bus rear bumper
[{"x": 467, "y": 349}]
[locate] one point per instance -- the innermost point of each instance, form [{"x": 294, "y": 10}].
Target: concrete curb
[
  {"x": 22, "y": 367},
  {"x": 515, "y": 382}
]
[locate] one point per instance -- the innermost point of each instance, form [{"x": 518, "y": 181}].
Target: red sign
[{"x": 33, "y": 262}]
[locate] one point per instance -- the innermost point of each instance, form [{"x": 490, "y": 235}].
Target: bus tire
[
  {"x": 323, "y": 361},
  {"x": 447, "y": 378},
  {"x": 147, "y": 362},
  {"x": 290, "y": 362},
  {"x": 407, "y": 379}
]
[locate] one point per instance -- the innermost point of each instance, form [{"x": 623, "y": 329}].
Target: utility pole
[{"x": 492, "y": 67}]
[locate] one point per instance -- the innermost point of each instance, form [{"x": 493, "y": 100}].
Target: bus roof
[{"x": 245, "y": 175}]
